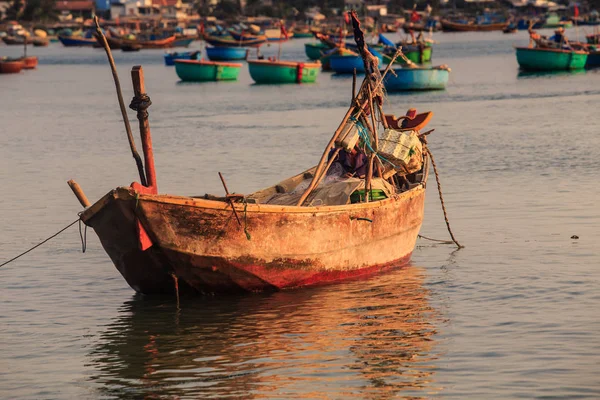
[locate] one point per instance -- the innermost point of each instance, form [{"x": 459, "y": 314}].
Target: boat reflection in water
[
  {"x": 364, "y": 339},
  {"x": 548, "y": 74}
]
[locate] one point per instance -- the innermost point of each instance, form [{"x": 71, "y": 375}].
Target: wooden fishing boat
[
  {"x": 183, "y": 41},
  {"x": 11, "y": 66},
  {"x": 313, "y": 228},
  {"x": 118, "y": 43},
  {"x": 266, "y": 71},
  {"x": 314, "y": 51},
  {"x": 40, "y": 42},
  {"x": 75, "y": 41},
  {"x": 548, "y": 59},
  {"x": 187, "y": 55},
  {"x": 15, "y": 40},
  {"x": 131, "y": 47},
  {"x": 225, "y": 42},
  {"x": 449, "y": 26},
  {"x": 421, "y": 78},
  {"x": 205, "y": 71},
  {"x": 219, "y": 53}
]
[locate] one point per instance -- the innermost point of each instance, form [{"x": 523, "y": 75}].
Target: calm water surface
[{"x": 512, "y": 315}]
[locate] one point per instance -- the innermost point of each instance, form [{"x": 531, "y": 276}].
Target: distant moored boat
[
  {"x": 73, "y": 41},
  {"x": 206, "y": 71},
  {"x": 422, "y": 78},
  {"x": 266, "y": 71},
  {"x": 548, "y": 59},
  {"x": 219, "y": 53}
]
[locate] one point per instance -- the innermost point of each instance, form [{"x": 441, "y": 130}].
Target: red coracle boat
[
  {"x": 313, "y": 228},
  {"x": 8, "y": 66},
  {"x": 30, "y": 62}
]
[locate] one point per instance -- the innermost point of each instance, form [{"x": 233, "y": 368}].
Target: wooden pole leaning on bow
[
  {"x": 357, "y": 108},
  {"x": 134, "y": 152}
]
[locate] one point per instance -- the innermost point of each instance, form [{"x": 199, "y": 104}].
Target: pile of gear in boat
[{"x": 399, "y": 154}]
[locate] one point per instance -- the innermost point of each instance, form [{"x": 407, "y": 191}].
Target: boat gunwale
[
  {"x": 293, "y": 64},
  {"x": 209, "y": 63},
  {"x": 128, "y": 193}
]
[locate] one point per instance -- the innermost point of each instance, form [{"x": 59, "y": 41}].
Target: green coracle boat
[
  {"x": 266, "y": 71},
  {"x": 413, "y": 54},
  {"x": 206, "y": 71},
  {"x": 543, "y": 59},
  {"x": 314, "y": 51}
]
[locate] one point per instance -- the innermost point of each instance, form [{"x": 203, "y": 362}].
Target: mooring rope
[
  {"x": 435, "y": 240},
  {"x": 42, "y": 242},
  {"x": 439, "y": 186},
  {"x": 83, "y": 237}
]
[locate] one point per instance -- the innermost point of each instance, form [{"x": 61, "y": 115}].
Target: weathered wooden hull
[
  {"x": 264, "y": 71},
  {"x": 200, "y": 242},
  {"x": 535, "y": 59}
]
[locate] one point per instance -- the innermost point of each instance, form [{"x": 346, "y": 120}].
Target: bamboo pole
[
  {"x": 134, "y": 152},
  {"x": 83, "y": 200},
  {"x": 341, "y": 126},
  {"x": 331, "y": 161},
  {"x": 353, "y": 85},
  {"x": 369, "y": 177}
]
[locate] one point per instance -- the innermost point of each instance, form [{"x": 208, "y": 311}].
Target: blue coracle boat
[
  {"x": 422, "y": 78},
  {"x": 226, "y": 53},
  {"x": 346, "y": 64},
  {"x": 186, "y": 55}
]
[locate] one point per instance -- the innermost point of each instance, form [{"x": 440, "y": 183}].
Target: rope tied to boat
[
  {"x": 140, "y": 104},
  {"x": 46, "y": 240},
  {"x": 439, "y": 187},
  {"x": 246, "y": 220},
  {"x": 83, "y": 236},
  {"x": 366, "y": 138}
]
